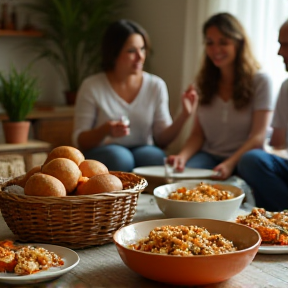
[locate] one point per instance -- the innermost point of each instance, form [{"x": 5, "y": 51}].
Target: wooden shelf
[
  {"x": 32, "y": 146},
  {"x": 53, "y": 125},
  {"x": 51, "y": 112},
  {"x": 21, "y": 33},
  {"x": 26, "y": 150}
]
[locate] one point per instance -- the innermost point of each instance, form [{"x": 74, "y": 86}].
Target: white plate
[
  {"x": 273, "y": 249},
  {"x": 159, "y": 171},
  {"x": 71, "y": 259}
]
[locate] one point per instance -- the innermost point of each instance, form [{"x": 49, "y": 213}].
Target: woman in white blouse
[
  {"x": 235, "y": 101},
  {"x": 122, "y": 114}
]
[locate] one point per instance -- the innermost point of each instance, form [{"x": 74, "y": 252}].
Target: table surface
[{"x": 101, "y": 266}]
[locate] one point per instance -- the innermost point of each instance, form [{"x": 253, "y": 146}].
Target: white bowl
[{"x": 220, "y": 210}]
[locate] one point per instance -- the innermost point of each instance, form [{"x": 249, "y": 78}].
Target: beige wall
[
  {"x": 164, "y": 20},
  {"x": 15, "y": 51}
]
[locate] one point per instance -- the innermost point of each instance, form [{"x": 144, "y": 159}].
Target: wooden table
[
  {"x": 26, "y": 149},
  {"x": 102, "y": 266}
]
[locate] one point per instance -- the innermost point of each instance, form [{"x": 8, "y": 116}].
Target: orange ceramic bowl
[{"x": 188, "y": 270}]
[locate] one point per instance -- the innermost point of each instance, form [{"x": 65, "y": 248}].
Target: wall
[
  {"x": 164, "y": 21},
  {"x": 14, "y": 51}
]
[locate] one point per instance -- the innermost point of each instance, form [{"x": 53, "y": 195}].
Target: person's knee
[
  {"x": 250, "y": 160},
  {"x": 148, "y": 156},
  {"x": 202, "y": 160},
  {"x": 120, "y": 159},
  {"x": 115, "y": 157}
]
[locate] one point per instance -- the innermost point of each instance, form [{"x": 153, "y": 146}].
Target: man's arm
[
  {"x": 278, "y": 138},
  {"x": 277, "y": 145}
]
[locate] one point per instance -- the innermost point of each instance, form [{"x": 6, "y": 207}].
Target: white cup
[{"x": 126, "y": 121}]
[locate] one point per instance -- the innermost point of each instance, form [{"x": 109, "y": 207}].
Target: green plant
[
  {"x": 73, "y": 31},
  {"x": 18, "y": 93}
]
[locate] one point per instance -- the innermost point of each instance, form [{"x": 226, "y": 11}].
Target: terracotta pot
[
  {"x": 16, "y": 132},
  {"x": 70, "y": 97}
]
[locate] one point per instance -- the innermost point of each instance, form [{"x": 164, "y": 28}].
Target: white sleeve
[
  {"x": 85, "y": 112},
  {"x": 263, "y": 99},
  {"x": 162, "y": 116}
]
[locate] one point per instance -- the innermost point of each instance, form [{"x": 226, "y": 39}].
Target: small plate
[
  {"x": 273, "y": 249},
  {"x": 71, "y": 259},
  {"x": 159, "y": 171}
]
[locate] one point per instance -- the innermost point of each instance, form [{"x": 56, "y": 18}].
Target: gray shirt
[{"x": 225, "y": 128}]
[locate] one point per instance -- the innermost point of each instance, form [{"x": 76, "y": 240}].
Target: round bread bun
[
  {"x": 31, "y": 172},
  {"x": 90, "y": 168},
  {"x": 65, "y": 152},
  {"x": 65, "y": 170},
  {"x": 99, "y": 184},
  {"x": 41, "y": 184}
]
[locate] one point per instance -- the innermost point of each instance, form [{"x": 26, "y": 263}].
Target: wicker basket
[{"x": 71, "y": 221}]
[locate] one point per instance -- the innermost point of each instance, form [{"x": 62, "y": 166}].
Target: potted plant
[
  {"x": 72, "y": 35},
  {"x": 18, "y": 94}
]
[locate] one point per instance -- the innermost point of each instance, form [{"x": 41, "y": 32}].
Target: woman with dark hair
[
  {"x": 235, "y": 101},
  {"x": 122, "y": 116}
]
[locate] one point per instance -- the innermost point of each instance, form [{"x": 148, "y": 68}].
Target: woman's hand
[
  {"x": 118, "y": 129},
  {"x": 189, "y": 100},
  {"x": 177, "y": 161},
  {"x": 224, "y": 170}
]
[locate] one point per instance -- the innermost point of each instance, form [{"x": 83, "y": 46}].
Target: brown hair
[
  {"x": 246, "y": 64},
  {"x": 115, "y": 38}
]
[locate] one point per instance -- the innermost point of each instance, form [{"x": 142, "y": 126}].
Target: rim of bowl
[
  {"x": 186, "y": 201},
  {"x": 219, "y": 201},
  {"x": 197, "y": 256}
]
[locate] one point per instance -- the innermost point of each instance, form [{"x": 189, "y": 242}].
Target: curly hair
[{"x": 245, "y": 65}]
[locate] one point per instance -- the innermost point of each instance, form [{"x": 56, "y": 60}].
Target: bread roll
[
  {"x": 90, "y": 168},
  {"x": 99, "y": 184},
  {"x": 41, "y": 184},
  {"x": 65, "y": 170},
  {"x": 65, "y": 152},
  {"x": 31, "y": 172}
]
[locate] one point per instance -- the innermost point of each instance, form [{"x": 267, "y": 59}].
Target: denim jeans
[
  {"x": 120, "y": 158},
  {"x": 268, "y": 177},
  {"x": 204, "y": 160}
]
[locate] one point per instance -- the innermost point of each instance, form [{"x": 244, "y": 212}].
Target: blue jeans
[
  {"x": 204, "y": 160},
  {"x": 268, "y": 177},
  {"x": 120, "y": 158}
]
